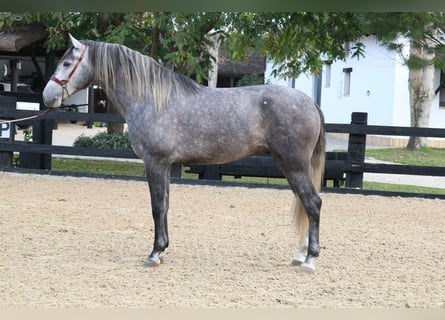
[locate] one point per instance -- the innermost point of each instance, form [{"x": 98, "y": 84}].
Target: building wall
[{"x": 378, "y": 86}]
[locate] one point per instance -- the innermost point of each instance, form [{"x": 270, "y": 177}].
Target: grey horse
[{"x": 172, "y": 119}]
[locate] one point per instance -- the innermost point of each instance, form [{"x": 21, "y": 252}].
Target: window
[{"x": 347, "y": 81}]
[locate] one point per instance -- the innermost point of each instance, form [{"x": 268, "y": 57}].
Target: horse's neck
[{"x": 123, "y": 101}]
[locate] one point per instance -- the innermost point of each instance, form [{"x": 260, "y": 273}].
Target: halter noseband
[{"x": 64, "y": 82}]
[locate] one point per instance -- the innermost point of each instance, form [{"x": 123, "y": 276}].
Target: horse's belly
[{"x": 219, "y": 151}]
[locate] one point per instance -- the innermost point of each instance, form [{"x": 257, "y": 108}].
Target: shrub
[
  {"x": 104, "y": 140},
  {"x": 250, "y": 80}
]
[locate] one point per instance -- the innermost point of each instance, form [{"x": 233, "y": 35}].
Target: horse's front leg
[{"x": 158, "y": 178}]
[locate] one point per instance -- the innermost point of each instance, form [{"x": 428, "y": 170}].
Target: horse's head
[{"x": 72, "y": 74}]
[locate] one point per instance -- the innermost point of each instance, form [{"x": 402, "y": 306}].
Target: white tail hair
[{"x": 300, "y": 217}]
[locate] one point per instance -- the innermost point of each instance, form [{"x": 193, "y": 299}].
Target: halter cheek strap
[{"x": 64, "y": 82}]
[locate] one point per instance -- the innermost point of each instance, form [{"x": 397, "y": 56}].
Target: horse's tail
[{"x": 317, "y": 172}]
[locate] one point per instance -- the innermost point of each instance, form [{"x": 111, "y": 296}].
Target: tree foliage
[
  {"x": 425, "y": 30},
  {"x": 176, "y": 39},
  {"x": 302, "y": 40}
]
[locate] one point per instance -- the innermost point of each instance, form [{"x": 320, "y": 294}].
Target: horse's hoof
[
  {"x": 296, "y": 263},
  {"x": 152, "y": 262},
  {"x": 298, "y": 259},
  {"x": 308, "y": 267}
]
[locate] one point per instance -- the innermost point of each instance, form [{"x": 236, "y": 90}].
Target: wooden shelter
[
  {"x": 26, "y": 42},
  {"x": 18, "y": 41},
  {"x": 230, "y": 71}
]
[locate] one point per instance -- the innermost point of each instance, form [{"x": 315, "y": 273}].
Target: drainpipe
[{"x": 316, "y": 89}]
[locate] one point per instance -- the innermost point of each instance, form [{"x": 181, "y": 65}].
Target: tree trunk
[
  {"x": 214, "y": 52},
  {"x": 156, "y": 43},
  {"x": 421, "y": 93}
]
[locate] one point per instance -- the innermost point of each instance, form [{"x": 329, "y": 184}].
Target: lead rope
[{"x": 41, "y": 114}]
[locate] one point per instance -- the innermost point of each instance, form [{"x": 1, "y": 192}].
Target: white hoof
[
  {"x": 153, "y": 262},
  {"x": 308, "y": 267},
  {"x": 150, "y": 262},
  {"x": 298, "y": 259}
]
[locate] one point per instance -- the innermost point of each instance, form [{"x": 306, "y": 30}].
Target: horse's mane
[{"x": 142, "y": 76}]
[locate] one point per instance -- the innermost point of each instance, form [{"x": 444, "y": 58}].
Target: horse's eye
[{"x": 66, "y": 63}]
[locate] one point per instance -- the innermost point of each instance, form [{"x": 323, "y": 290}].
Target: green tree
[
  {"x": 422, "y": 34},
  {"x": 296, "y": 42},
  {"x": 302, "y": 40},
  {"x": 176, "y": 39}
]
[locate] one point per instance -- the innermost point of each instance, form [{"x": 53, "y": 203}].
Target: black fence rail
[
  {"x": 343, "y": 168},
  {"x": 37, "y": 154},
  {"x": 262, "y": 165},
  {"x": 354, "y": 165}
]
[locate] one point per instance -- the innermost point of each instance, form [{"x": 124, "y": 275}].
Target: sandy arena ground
[{"x": 77, "y": 242}]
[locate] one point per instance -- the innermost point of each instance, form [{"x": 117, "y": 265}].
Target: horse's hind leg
[{"x": 303, "y": 187}]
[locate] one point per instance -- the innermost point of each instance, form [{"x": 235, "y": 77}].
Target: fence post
[
  {"x": 176, "y": 171},
  {"x": 6, "y": 157},
  {"x": 211, "y": 172},
  {"x": 47, "y": 138},
  {"x": 7, "y": 132},
  {"x": 32, "y": 160},
  {"x": 356, "y": 151}
]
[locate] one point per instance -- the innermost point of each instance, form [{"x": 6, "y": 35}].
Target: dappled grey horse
[{"x": 172, "y": 119}]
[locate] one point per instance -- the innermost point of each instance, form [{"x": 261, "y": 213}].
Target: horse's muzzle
[{"x": 52, "y": 103}]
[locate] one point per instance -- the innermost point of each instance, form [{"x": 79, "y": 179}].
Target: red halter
[{"x": 64, "y": 82}]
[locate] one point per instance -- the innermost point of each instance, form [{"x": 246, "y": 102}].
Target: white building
[{"x": 376, "y": 84}]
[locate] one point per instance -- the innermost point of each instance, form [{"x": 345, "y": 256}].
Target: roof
[
  {"x": 254, "y": 64},
  {"x": 16, "y": 40}
]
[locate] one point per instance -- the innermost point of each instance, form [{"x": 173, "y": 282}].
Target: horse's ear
[{"x": 76, "y": 43}]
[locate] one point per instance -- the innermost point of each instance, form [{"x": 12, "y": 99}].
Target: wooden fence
[{"x": 342, "y": 167}]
